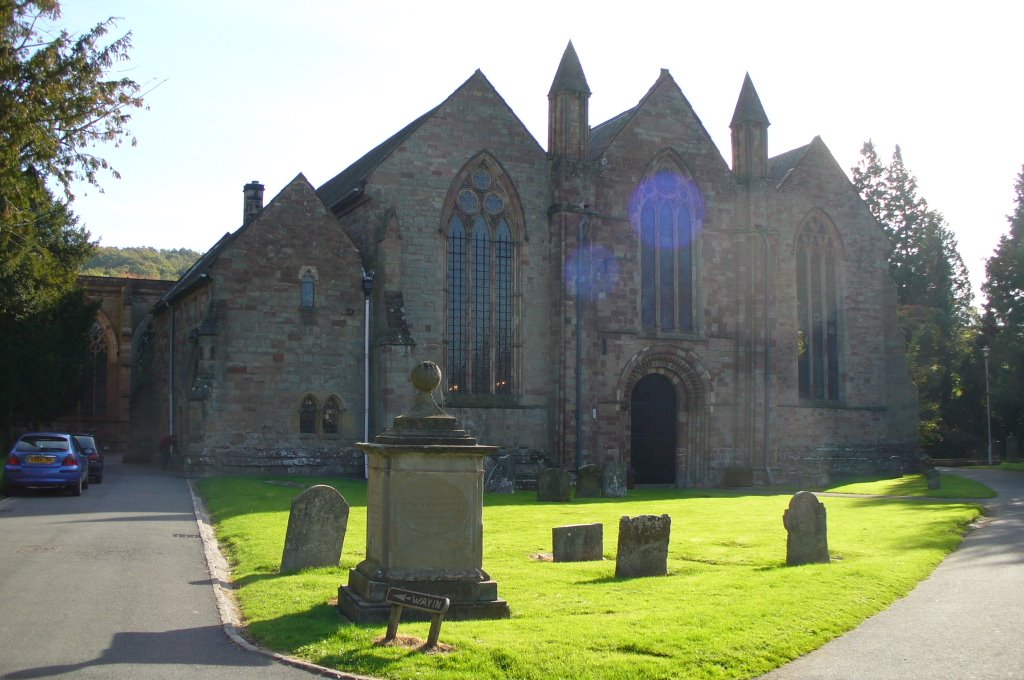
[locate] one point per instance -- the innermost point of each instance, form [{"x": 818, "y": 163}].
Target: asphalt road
[
  {"x": 114, "y": 584},
  {"x": 964, "y": 622}
]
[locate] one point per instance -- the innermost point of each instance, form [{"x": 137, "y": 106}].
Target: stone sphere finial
[{"x": 426, "y": 376}]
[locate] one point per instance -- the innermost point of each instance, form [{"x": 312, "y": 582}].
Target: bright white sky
[{"x": 264, "y": 90}]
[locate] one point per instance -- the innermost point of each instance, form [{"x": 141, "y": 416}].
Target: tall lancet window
[
  {"x": 481, "y": 283},
  {"x": 666, "y": 211},
  {"x": 817, "y": 262}
]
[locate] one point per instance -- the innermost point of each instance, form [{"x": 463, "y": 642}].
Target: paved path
[
  {"x": 964, "y": 622},
  {"x": 114, "y": 584}
]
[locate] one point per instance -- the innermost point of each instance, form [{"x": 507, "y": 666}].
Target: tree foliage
[
  {"x": 57, "y": 104},
  {"x": 1004, "y": 321},
  {"x": 935, "y": 298},
  {"x": 143, "y": 262}
]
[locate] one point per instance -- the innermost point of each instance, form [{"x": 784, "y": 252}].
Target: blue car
[{"x": 46, "y": 459}]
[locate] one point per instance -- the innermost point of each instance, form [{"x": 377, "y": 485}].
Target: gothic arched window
[
  {"x": 666, "y": 211},
  {"x": 481, "y": 276},
  {"x": 307, "y": 290},
  {"x": 332, "y": 416},
  {"x": 94, "y": 389},
  {"x": 817, "y": 260},
  {"x": 307, "y": 416}
]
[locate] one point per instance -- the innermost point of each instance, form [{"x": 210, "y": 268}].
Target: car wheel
[
  {"x": 76, "y": 488},
  {"x": 8, "y": 489},
  {"x": 99, "y": 480},
  {"x": 85, "y": 482}
]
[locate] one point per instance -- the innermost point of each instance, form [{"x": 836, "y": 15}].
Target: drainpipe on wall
[{"x": 367, "y": 289}]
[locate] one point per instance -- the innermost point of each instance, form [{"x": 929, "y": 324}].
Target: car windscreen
[{"x": 86, "y": 442}]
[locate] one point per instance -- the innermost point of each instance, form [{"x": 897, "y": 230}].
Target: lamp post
[{"x": 988, "y": 406}]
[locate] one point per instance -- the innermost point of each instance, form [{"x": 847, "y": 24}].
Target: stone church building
[{"x": 624, "y": 294}]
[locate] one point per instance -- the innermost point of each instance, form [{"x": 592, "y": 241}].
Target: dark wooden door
[{"x": 653, "y": 427}]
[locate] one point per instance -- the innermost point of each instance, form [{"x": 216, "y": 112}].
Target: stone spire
[
  {"x": 749, "y": 134},
  {"x": 568, "y": 109}
]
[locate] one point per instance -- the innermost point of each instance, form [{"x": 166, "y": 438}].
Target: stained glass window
[
  {"x": 667, "y": 206},
  {"x": 94, "y": 390},
  {"x": 481, "y": 272},
  {"x": 307, "y": 416},
  {"x": 307, "y": 290},
  {"x": 817, "y": 313}
]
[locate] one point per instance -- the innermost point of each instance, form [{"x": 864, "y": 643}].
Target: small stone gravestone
[
  {"x": 500, "y": 474},
  {"x": 613, "y": 480},
  {"x": 1012, "y": 449},
  {"x": 553, "y": 485},
  {"x": 588, "y": 481},
  {"x": 643, "y": 546},
  {"x": 808, "y": 533},
  {"x": 316, "y": 529},
  {"x": 578, "y": 543},
  {"x": 934, "y": 481}
]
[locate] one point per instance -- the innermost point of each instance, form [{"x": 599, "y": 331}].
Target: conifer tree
[{"x": 1004, "y": 321}]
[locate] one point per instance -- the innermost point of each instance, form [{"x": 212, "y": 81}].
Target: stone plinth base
[{"x": 358, "y": 610}]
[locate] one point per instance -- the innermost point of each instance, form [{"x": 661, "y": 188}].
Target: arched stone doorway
[
  {"x": 668, "y": 395},
  {"x": 653, "y": 418}
]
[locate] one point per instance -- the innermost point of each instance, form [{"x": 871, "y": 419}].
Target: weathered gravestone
[
  {"x": 934, "y": 481},
  {"x": 808, "y": 533},
  {"x": 553, "y": 485},
  {"x": 613, "y": 480},
  {"x": 316, "y": 529},
  {"x": 578, "y": 543},
  {"x": 643, "y": 546},
  {"x": 1012, "y": 449},
  {"x": 588, "y": 481}
]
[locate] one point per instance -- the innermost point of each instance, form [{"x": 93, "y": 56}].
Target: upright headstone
[
  {"x": 807, "y": 542},
  {"x": 934, "y": 481},
  {"x": 643, "y": 546},
  {"x": 1012, "y": 449},
  {"x": 316, "y": 529},
  {"x": 588, "y": 481},
  {"x": 578, "y": 543},
  {"x": 613, "y": 480},
  {"x": 553, "y": 485}
]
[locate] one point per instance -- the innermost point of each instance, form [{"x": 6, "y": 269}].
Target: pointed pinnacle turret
[
  {"x": 748, "y": 106},
  {"x": 569, "y": 77}
]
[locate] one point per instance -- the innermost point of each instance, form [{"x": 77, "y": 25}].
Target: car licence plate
[{"x": 44, "y": 460}]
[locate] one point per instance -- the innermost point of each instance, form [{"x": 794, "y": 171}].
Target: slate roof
[
  {"x": 334, "y": 191},
  {"x": 748, "y": 106},
  {"x": 780, "y": 166},
  {"x": 602, "y": 135},
  {"x": 198, "y": 272},
  {"x": 569, "y": 76}
]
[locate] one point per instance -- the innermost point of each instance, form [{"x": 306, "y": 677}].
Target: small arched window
[
  {"x": 307, "y": 416},
  {"x": 307, "y": 291},
  {"x": 332, "y": 416},
  {"x": 817, "y": 259}
]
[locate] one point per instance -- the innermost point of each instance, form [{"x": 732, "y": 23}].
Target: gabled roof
[
  {"x": 199, "y": 272},
  {"x": 748, "y": 106},
  {"x": 334, "y": 191},
  {"x": 780, "y": 166},
  {"x": 569, "y": 76}
]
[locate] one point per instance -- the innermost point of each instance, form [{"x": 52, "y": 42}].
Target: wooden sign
[{"x": 435, "y": 605}]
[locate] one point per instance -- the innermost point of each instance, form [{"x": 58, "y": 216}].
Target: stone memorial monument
[
  {"x": 934, "y": 480},
  {"x": 807, "y": 542},
  {"x": 316, "y": 529},
  {"x": 588, "y": 481},
  {"x": 643, "y": 546},
  {"x": 424, "y": 515}
]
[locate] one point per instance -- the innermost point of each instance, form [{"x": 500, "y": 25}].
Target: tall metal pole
[
  {"x": 580, "y": 233},
  {"x": 988, "y": 406},
  {"x": 367, "y": 289}
]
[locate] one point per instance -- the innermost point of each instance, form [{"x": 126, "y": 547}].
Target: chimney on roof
[{"x": 253, "y": 202}]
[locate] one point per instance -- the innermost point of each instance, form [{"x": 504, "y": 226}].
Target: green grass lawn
[
  {"x": 729, "y": 607},
  {"x": 951, "y": 486}
]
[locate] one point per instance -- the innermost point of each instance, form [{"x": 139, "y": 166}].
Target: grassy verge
[
  {"x": 729, "y": 608},
  {"x": 951, "y": 486}
]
